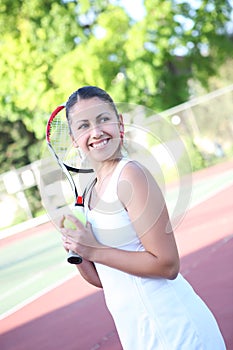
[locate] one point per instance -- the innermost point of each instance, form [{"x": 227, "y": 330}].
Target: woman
[{"x": 128, "y": 246}]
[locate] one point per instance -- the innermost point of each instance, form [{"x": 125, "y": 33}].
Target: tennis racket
[{"x": 60, "y": 145}]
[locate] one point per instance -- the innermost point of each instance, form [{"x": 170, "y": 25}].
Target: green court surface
[
  {"x": 29, "y": 266},
  {"x": 199, "y": 191},
  {"x": 32, "y": 265}
]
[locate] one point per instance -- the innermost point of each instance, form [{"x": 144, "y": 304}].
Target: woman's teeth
[{"x": 99, "y": 144}]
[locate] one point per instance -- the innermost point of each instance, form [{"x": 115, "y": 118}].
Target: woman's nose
[{"x": 96, "y": 131}]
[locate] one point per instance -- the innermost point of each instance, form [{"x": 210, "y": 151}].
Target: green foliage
[
  {"x": 197, "y": 160},
  {"x": 50, "y": 48},
  {"x": 34, "y": 200},
  {"x": 18, "y": 145}
]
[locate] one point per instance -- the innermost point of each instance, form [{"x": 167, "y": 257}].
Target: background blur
[{"x": 174, "y": 57}]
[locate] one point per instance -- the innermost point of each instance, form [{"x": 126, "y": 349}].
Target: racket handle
[{"x": 74, "y": 258}]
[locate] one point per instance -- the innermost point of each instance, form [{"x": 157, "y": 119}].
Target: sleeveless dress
[{"x": 149, "y": 313}]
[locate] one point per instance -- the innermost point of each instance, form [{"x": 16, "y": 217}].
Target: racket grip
[{"x": 74, "y": 258}]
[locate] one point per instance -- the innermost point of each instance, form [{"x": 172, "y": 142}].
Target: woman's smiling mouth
[{"x": 99, "y": 144}]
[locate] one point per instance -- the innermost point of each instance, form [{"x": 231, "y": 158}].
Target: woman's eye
[
  {"x": 104, "y": 119},
  {"x": 83, "y": 126}
]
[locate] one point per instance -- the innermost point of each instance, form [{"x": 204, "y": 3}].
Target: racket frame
[{"x": 72, "y": 258}]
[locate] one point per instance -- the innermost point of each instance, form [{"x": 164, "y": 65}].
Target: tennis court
[{"x": 45, "y": 304}]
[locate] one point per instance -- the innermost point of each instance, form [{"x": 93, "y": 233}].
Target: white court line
[
  {"x": 31, "y": 223},
  {"x": 212, "y": 193},
  {"x": 37, "y": 295},
  {"x": 29, "y": 281},
  {"x": 198, "y": 198},
  {"x": 21, "y": 285}
]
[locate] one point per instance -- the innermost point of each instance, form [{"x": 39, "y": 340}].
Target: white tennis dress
[{"x": 149, "y": 313}]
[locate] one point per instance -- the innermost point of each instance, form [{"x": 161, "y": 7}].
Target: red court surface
[{"x": 73, "y": 316}]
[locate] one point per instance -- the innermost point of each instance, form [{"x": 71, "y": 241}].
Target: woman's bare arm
[
  {"x": 147, "y": 210},
  {"x": 87, "y": 268},
  {"x": 88, "y": 272}
]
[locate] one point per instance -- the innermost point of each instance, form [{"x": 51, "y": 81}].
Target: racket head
[
  {"x": 68, "y": 157},
  {"x": 59, "y": 141}
]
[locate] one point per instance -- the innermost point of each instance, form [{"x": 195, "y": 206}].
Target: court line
[
  {"x": 37, "y": 295},
  {"x": 212, "y": 193},
  {"x": 22, "y": 285},
  {"x": 26, "y": 225},
  {"x": 197, "y": 197},
  {"x": 30, "y": 280}
]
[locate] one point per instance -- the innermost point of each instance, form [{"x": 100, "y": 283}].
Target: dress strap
[{"x": 110, "y": 194}]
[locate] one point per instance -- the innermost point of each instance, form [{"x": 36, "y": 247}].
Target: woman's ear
[
  {"x": 121, "y": 123},
  {"x": 121, "y": 127}
]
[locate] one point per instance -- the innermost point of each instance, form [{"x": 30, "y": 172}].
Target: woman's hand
[{"x": 81, "y": 239}]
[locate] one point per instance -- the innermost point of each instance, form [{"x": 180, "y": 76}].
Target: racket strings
[{"x": 61, "y": 141}]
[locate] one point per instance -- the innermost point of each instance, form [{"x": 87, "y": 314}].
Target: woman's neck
[{"x": 105, "y": 169}]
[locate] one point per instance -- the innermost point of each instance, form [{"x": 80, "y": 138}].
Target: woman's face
[{"x": 95, "y": 128}]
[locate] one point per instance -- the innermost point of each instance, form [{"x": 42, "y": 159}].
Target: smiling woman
[
  {"x": 128, "y": 245},
  {"x": 95, "y": 124}
]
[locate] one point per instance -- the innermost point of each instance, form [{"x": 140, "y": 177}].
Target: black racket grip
[{"x": 74, "y": 258}]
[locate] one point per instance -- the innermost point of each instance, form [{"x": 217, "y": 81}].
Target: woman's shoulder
[
  {"x": 137, "y": 186},
  {"x": 138, "y": 177},
  {"x": 135, "y": 171},
  {"x": 135, "y": 179}
]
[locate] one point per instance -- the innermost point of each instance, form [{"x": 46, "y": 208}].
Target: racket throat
[{"x": 79, "y": 201}]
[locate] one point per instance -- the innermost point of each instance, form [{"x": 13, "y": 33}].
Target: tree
[
  {"x": 50, "y": 48},
  {"x": 180, "y": 40}
]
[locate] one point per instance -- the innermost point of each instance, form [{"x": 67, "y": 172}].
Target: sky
[{"x": 134, "y": 7}]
